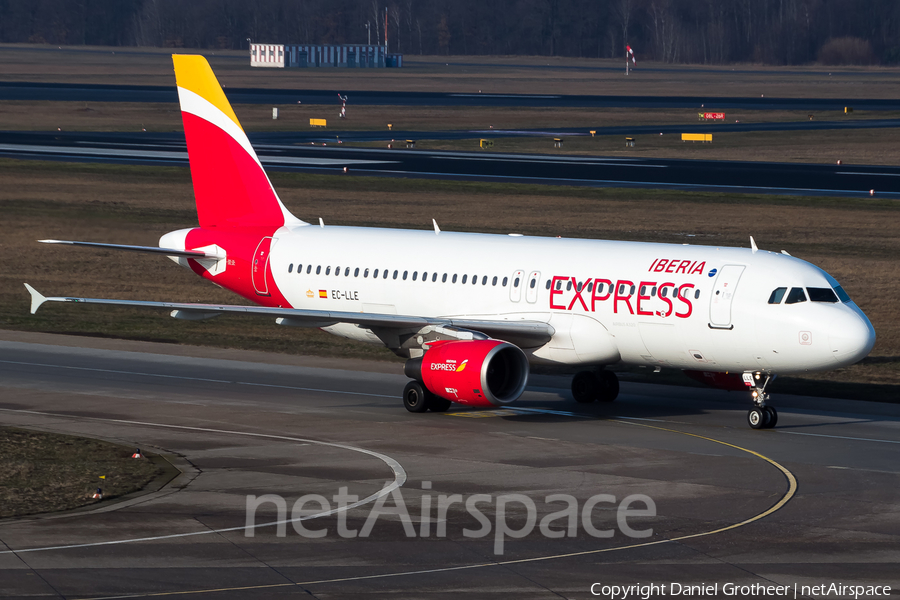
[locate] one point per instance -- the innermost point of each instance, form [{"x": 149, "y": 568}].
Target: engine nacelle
[
  {"x": 732, "y": 382},
  {"x": 472, "y": 372}
]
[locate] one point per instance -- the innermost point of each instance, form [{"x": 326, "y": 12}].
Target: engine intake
[{"x": 476, "y": 373}]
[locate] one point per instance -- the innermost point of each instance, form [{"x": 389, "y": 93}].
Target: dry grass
[
  {"x": 45, "y": 472},
  {"x": 528, "y": 75},
  {"x": 855, "y": 240}
]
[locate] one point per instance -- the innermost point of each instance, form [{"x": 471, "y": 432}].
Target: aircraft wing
[{"x": 528, "y": 333}]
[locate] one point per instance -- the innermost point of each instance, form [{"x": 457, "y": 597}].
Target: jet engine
[{"x": 472, "y": 372}]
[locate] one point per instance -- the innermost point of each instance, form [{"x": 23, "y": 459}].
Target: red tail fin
[{"x": 230, "y": 186}]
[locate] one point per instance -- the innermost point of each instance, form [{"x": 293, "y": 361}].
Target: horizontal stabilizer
[
  {"x": 36, "y": 298},
  {"x": 148, "y": 249}
]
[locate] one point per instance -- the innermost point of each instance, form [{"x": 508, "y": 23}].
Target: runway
[
  {"x": 277, "y": 152},
  {"x": 810, "y": 502},
  {"x": 67, "y": 92}
]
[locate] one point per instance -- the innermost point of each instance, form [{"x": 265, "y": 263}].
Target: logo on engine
[
  {"x": 452, "y": 391},
  {"x": 462, "y": 365}
]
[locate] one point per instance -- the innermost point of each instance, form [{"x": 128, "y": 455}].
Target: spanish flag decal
[{"x": 323, "y": 294}]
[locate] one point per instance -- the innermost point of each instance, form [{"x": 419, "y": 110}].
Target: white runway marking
[
  {"x": 839, "y": 437},
  {"x": 188, "y": 378}
]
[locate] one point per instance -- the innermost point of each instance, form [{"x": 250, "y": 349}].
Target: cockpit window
[
  {"x": 796, "y": 295},
  {"x": 821, "y": 295},
  {"x": 777, "y": 296},
  {"x": 842, "y": 294}
]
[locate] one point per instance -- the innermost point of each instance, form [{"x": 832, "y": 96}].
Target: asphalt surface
[
  {"x": 276, "y": 151},
  {"x": 71, "y": 92},
  {"x": 239, "y": 424}
]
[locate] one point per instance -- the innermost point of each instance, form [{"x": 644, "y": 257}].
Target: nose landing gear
[{"x": 761, "y": 416}]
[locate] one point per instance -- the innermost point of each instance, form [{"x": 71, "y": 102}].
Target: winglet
[
  {"x": 753, "y": 245},
  {"x": 36, "y": 298}
]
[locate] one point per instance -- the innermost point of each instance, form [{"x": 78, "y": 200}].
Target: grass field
[
  {"x": 44, "y": 472},
  {"x": 855, "y": 240}
]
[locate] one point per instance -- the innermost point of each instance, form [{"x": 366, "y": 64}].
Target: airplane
[{"x": 471, "y": 312}]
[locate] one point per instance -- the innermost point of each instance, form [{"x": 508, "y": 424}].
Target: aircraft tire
[
  {"x": 609, "y": 386},
  {"x": 757, "y": 418},
  {"x": 773, "y": 417},
  {"x": 585, "y": 387},
  {"x": 415, "y": 397}
]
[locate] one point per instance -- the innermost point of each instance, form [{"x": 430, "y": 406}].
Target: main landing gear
[
  {"x": 588, "y": 386},
  {"x": 417, "y": 399},
  {"x": 761, "y": 416}
]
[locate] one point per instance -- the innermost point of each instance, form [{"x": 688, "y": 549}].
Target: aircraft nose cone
[{"x": 851, "y": 336}]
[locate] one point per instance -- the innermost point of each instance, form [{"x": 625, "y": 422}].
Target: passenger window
[
  {"x": 444, "y": 278},
  {"x": 697, "y": 295},
  {"x": 299, "y": 268},
  {"x": 347, "y": 272},
  {"x": 375, "y": 274},
  {"x": 328, "y": 270},
  {"x": 591, "y": 286},
  {"x": 621, "y": 289},
  {"x": 600, "y": 288},
  {"x": 632, "y": 291},
  {"x": 663, "y": 292},
  {"x": 365, "y": 273},
  {"x": 465, "y": 277},
  {"x": 796, "y": 295},
  {"x": 643, "y": 290},
  {"x": 516, "y": 282},
  {"x": 533, "y": 282},
  {"x": 405, "y": 273},
  {"x": 318, "y": 269},
  {"x": 395, "y": 273},
  {"x": 291, "y": 267},
  {"x": 494, "y": 280},
  {"x": 424, "y": 275},
  {"x": 386, "y": 274},
  {"x": 777, "y": 296},
  {"x": 548, "y": 284},
  {"x": 474, "y": 279},
  {"x": 653, "y": 291},
  {"x": 337, "y": 271},
  {"x": 569, "y": 286},
  {"x": 454, "y": 278},
  {"x": 842, "y": 294},
  {"x": 434, "y": 277},
  {"x": 821, "y": 295},
  {"x": 356, "y": 272},
  {"x": 484, "y": 280},
  {"x": 415, "y": 274},
  {"x": 308, "y": 269},
  {"x": 505, "y": 280}
]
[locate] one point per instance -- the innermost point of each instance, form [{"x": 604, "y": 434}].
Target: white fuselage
[{"x": 627, "y": 309}]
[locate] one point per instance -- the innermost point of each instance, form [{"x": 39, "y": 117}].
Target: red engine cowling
[
  {"x": 733, "y": 382},
  {"x": 475, "y": 373}
]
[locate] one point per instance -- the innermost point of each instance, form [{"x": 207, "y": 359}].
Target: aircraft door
[
  {"x": 531, "y": 292},
  {"x": 516, "y": 283},
  {"x": 260, "y": 266},
  {"x": 723, "y": 295}
]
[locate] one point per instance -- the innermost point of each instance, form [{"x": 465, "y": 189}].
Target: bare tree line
[{"x": 676, "y": 31}]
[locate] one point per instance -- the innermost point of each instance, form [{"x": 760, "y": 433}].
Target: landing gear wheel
[
  {"x": 757, "y": 417},
  {"x": 609, "y": 386},
  {"x": 585, "y": 386},
  {"x": 438, "y": 404},
  {"x": 415, "y": 397},
  {"x": 773, "y": 417}
]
